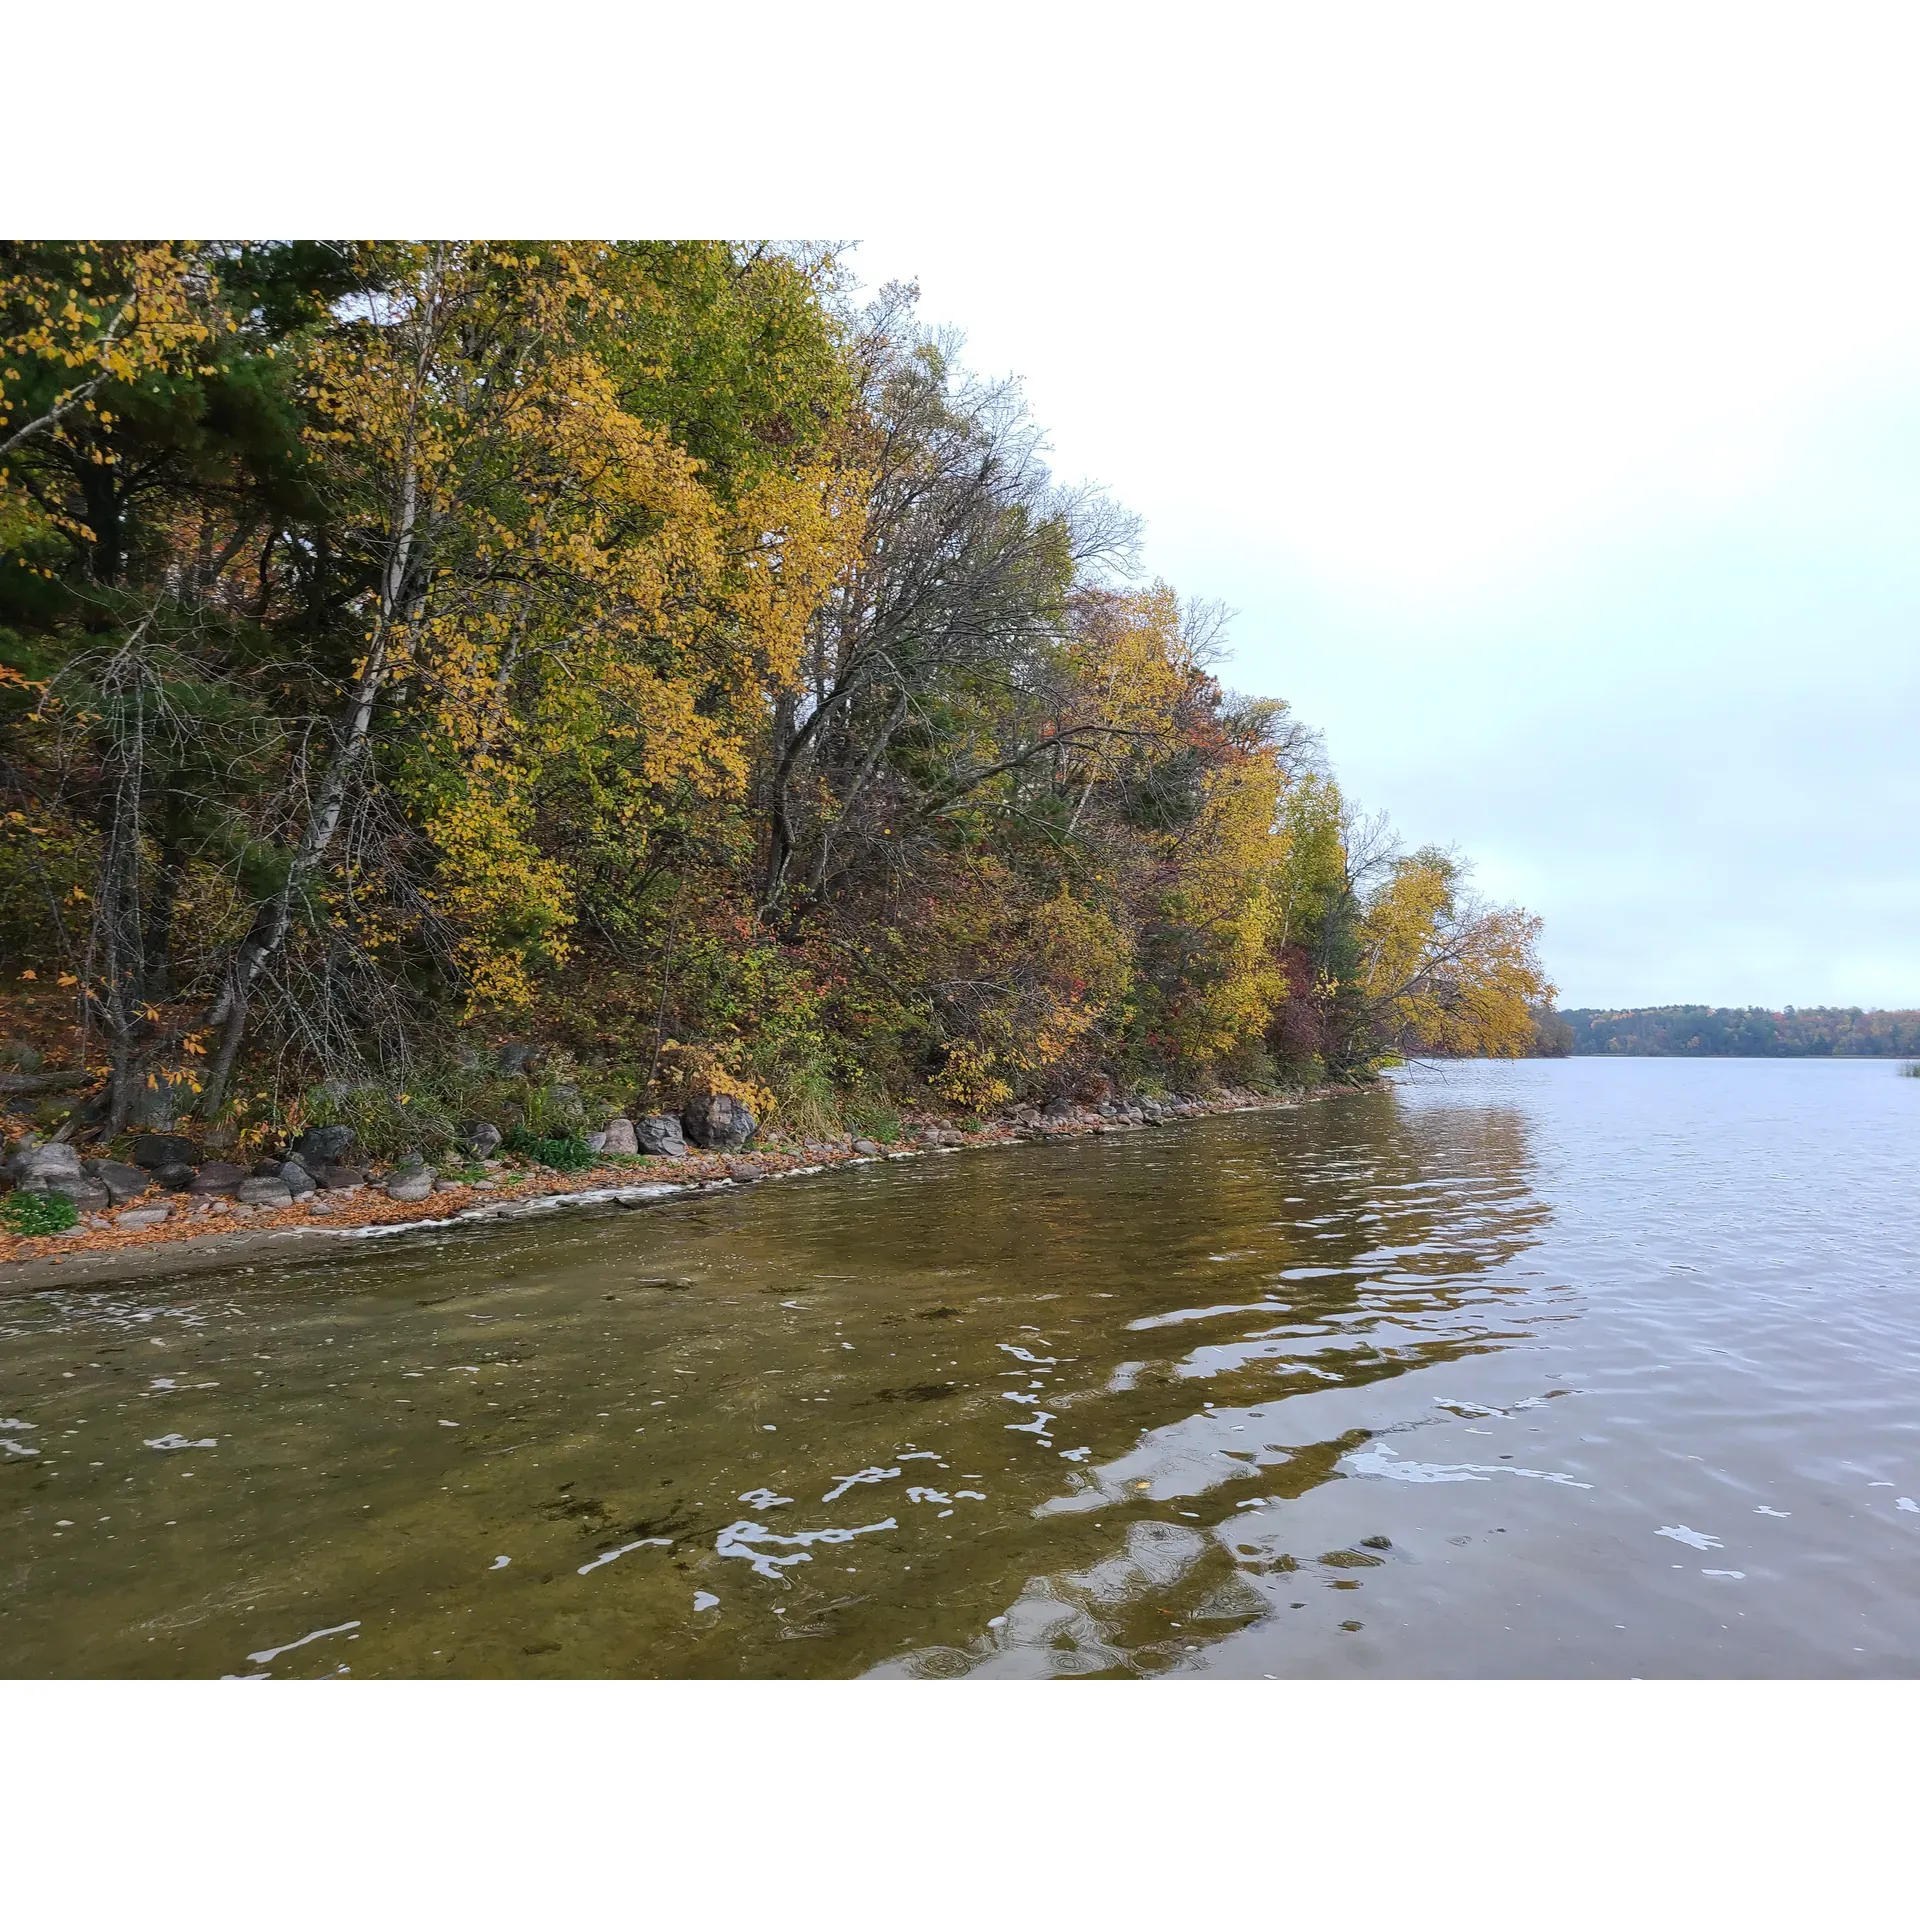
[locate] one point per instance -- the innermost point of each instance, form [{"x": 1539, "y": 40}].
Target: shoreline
[{"x": 109, "y": 1256}]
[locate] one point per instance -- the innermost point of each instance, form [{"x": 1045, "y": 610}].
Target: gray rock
[
  {"x": 165, "y": 1150},
  {"x": 620, "y": 1136},
  {"x": 718, "y": 1120},
  {"x": 517, "y": 1056},
  {"x": 120, "y": 1180},
  {"x": 295, "y": 1178},
  {"x": 36, "y": 1166},
  {"x": 409, "y": 1160},
  {"x": 482, "y": 1138},
  {"x": 83, "y": 1192},
  {"x": 871, "y": 1148},
  {"x": 597, "y": 1142},
  {"x": 175, "y": 1177},
  {"x": 410, "y": 1183},
  {"x": 218, "y": 1177},
  {"x": 138, "y": 1219},
  {"x": 565, "y": 1107},
  {"x": 259, "y": 1192},
  {"x": 660, "y": 1133},
  {"x": 341, "y": 1177},
  {"x": 266, "y": 1169},
  {"x": 320, "y": 1145}
]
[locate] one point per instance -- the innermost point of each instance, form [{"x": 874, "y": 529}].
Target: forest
[
  {"x": 653, "y": 654},
  {"x": 1796, "y": 1033}
]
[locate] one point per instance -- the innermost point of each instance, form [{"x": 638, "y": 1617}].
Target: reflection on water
[{"x": 1403, "y": 1383}]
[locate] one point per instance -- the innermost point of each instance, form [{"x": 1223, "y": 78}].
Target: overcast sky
[{"x": 1560, "y": 451}]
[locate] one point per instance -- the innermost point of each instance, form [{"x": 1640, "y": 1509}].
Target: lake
[{"x": 1537, "y": 1368}]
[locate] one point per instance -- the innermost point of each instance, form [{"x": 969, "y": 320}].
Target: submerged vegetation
[{"x": 642, "y": 651}]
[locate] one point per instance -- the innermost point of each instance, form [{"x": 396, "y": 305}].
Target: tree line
[
  {"x": 1796, "y": 1033},
  {"x": 649, "y": 648}
]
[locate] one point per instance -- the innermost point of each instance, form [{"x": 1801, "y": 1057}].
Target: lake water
[{"x": 1555, "y": 1368}]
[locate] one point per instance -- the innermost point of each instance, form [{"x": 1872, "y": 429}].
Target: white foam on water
[
  {"x": 934, "y": 1496},
  {"x": 1907, "y": 1506},
  {"x": 866, "y": 1477},
  {"x": 761, "y": 1498},
  {"x": 1688, "y": 1538},
  {"x": 1038, "y": 1424},
  {"x": 743, "y": 1539},
  {"x": 1775, "y": 1513},
  {"x": 615, "y": 1552},
  {"x": 934, "y": 1457},
  {"x": 1022, "y": 1399},
  {"x": 16, "y": 1426},
  {"x": 503, "y": 1561},
  {"x": 702, "y": 1601},
  {"x": 1384, "y": 1464},
  {"x": 1722, "y": 1573},
  {"x": 170, "y": 1442},
  {"x": 305, "y": 1640},
  {"x": 17, "y": 1450}
]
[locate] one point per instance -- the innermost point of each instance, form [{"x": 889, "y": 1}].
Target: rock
[
  {"x": 19, "y": 1056},
  {"x": 340, "y": 1177},
  {"x": 83, "y": 1192},
  {"x": 120, "y": 1180},
  {"x": 320, "y": 1145},
  {"x": 718, "y": 1120},
  {"x": 660, "y": 1133},
  {"x": 218, "y": 1176},
  {"x": 516, "y": 1057},
  {"x": 620, "y": 1137},
  {"x": 597, "y": 1142},
  {"x": 176, "y": 1176},
  {"x": 266, "y": 1169},
  {"x": 320, "y": 1206},
  {"x": 139, "y": 1219},
  {"x": 565, "y": 1108},
  {"x": 259, "y": 1192},
  {"x": 37, "y": 1166},
  {"x": 295, "y": 1178},
  {"x": 410, "y": 1183},
  {"x": 482, "y": 1138},
  {"x": 448, "y": 1186},
  {"x": 871, "y": 1148}
]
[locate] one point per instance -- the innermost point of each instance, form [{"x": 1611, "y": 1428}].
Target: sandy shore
[{"x": 114, "y": 1256}]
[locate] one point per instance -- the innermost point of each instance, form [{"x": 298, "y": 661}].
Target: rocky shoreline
[{"x": 114, "y": 1246}]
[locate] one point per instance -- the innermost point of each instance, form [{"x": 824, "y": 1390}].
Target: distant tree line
[{"x": 1795, "y": 1033}]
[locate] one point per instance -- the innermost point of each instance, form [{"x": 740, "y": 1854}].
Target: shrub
[
  {"x": 38, "y": 1213},
  {"x": 565, "y": 1152}
]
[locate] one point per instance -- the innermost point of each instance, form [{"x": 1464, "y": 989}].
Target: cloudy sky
[{"x": 1559, "y": 446}]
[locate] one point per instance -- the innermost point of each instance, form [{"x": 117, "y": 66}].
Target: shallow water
[{"x": 1541, "y": 1368}]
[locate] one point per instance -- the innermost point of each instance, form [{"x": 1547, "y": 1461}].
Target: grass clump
[
  {"x": 38, "y": 1213},
  {"x": 1910, "y": 1069}
]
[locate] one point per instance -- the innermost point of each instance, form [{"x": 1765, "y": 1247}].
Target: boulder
[
  {"x": 718, "y": 1121},
  {"x": 119, "y": 1179},
  {"x": 871, "y": 1148},
  {"x": 295, "y": 1178},
  {"x": 259, "y": 1192},
  {"x": 410, "y": 1183},
  {"x": 597, "y": 1142},
  {"x": 176, "y": 1176},
  {"x": 660, "y": 1133},
  {"x": 620, "y": 1137},
  {"x": 320, "y": 1145},
  {"x": 339, "y": 1176},
  {"x": 516, "y": 1057},
  {"x": 38, "y": 1166},
  {"x": 565, "y": 1108},
  {"x": 165, "y": 1150},
  {"x": 218, "y": 1177},
  {"x": 84, "y": 1192},
  {"x": 482, "y": 1138},
  {"x": 138, "y": 1219}
]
